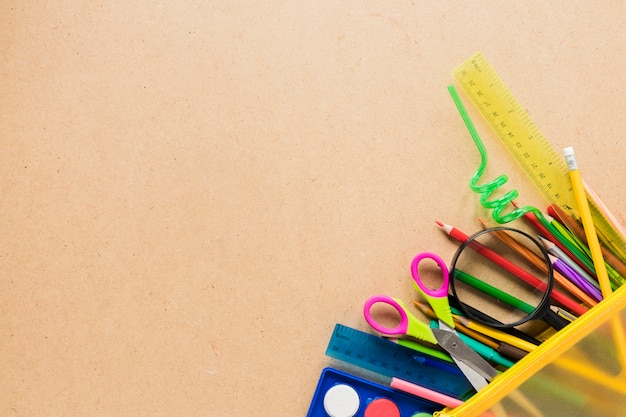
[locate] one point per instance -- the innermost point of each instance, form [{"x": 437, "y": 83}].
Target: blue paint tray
[{"x": 370, "y": 394}]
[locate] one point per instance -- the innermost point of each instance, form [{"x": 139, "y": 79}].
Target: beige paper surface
[{"x": 194, "y": 193}]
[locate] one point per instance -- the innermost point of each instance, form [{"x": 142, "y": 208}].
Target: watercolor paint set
[{"x": 340, "y": 394}]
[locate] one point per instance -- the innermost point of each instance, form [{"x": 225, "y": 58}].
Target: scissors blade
[
  {"x": 474, "y": 378},
  {"x": 452, "y": 343}
]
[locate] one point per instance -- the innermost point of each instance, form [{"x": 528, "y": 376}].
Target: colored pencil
[
  {"x": 556, "y": 295},
  {"x": 510, "y": 351},
  {"x": 553, "y": 319},
  {"x": 503, "y": 348},
  {"x": 428, "y": 311},
  {"x": 563, "y": 313},
  {"x": 579, "y": 232},
  {"x": 497, "y": 334},
  {"x": 575, "y": 277},
  {"x": 455, "y": 307},
  {"x": 556, "y": 251},
  {"x": 567, "y": 235},
  {"x": 540, "y": 263},
  {"x": 421, "y": 348},
  {"x": 487, "y": 352},
  {"x": 579, "y": 245},
  {"x": 495, "y": 292},
  {"x": 544, "y": 228}
]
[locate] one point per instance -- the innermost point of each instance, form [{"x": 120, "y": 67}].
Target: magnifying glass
[{"x": 497, "y": 286}]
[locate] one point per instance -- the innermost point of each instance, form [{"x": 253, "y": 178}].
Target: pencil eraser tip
[{"x": 570, "y": 159}]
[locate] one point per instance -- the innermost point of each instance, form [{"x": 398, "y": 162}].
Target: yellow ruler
[{"x": 542, "y": 163}]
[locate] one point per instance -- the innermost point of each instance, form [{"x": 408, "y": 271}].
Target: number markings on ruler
[
  {"x": 521, "y": 136},
  {"x": 386, "y": 358},
  {"x": 517, "y": 130}
]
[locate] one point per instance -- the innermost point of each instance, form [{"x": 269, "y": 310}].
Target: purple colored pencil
[{"x": 576, "y": 278}]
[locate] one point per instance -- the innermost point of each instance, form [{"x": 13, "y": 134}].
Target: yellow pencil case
[{"x": 577, "y": 372}]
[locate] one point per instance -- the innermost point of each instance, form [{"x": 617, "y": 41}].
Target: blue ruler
[{"x": 389, "y": 359}]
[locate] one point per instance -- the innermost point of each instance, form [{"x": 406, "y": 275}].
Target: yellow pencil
[
  {"x": 590, "y": 229},
  {"x": 594, "y": 247}
]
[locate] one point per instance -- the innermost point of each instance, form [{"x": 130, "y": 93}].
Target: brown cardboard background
[{"x": 194, "y": 193}]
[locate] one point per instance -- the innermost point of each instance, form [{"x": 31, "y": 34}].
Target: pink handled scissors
[
  {"x": 476, "y": 369},
  {"x": 438, "y": 297}
]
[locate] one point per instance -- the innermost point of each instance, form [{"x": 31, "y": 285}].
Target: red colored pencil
[{"x": 522, "y": 274}]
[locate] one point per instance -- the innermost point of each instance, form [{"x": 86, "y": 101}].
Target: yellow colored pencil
[
  {"x": 497, "y": 334},
  {"x": 459, "y": 326}
]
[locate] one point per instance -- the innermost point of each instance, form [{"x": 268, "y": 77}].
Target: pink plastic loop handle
[
  {"x": 400, "y": 329},
  {"x": 440, "y": 292}
]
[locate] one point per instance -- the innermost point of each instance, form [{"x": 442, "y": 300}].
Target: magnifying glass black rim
[{"x": 543, "y": 305}]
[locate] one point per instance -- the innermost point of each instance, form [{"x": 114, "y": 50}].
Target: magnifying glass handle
[{"x": 554, "y": 320}]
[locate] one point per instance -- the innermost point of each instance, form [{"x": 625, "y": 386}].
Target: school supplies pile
[{"x": 510, "y": 304}]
